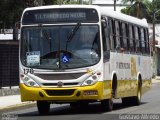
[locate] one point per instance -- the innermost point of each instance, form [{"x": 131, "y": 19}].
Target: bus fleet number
[{"x": 28, "y": 70}]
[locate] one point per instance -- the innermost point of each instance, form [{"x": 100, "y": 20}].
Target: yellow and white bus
[{"x": 79, "y": 54}]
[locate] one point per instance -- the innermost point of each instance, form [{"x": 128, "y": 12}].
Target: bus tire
[
  {"x": 137, "y": 99},
  {"x": 114, "y": 86},
  {"x": 43, "y": 107},
  {"x": 107, "y": 104},
  {"x": 127, "y": 101}
]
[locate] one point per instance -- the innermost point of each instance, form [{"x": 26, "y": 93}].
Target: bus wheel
[
  {"x": 43, "y": 107},
  {"x": 137, "y": 99},
  {"x": 127, "y": 101},
  {"x": 107, "y": 104}
]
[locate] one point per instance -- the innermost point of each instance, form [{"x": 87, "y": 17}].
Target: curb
[
  {"x": 18, "y": 106},
  {"x": 155, "y": 81},
  {"x": 157, "y": 78}
]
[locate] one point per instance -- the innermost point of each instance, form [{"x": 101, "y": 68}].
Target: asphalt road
[{"x": 148, "y": 110}]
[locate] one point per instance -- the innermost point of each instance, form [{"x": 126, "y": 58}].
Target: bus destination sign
[{"x": 60, "y": 15}]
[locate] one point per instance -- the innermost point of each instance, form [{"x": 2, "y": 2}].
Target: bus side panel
[{"x": 126, "y": 68}]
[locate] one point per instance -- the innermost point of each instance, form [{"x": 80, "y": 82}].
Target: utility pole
[
  {"x": 154, "y": 22},
  {"x": 154, "y": 54},
  {"x": 115, "y": 4},
  {"x": 90, "y": 2}
]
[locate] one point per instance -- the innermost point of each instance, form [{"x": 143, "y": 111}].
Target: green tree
[
  {"x": 49, "y": 2},
  {"x": 142, "y": 8},
  {"x": 137, "y": 9},
  {"x": 10, "y": 12},
  {"x": 58, "y": 2},
  {"x": 153, "y": 6}
]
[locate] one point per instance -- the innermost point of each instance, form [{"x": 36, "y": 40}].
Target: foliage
[
  {"x": 11, "y": 10},
  {"x": 142, "y": 8}
]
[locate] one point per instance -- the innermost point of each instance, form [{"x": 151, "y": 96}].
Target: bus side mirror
[{"x": 16, "y": 31}]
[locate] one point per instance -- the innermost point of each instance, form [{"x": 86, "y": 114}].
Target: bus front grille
[
  {"x": 66, "y": 76},
  {"x": 60, "y": 92},
  {"x": 64, "y": 84}
]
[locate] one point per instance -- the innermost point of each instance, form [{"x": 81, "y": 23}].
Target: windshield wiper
[
  {"x": 46, "y": 35},
  {"x": 72, "y": 34}
]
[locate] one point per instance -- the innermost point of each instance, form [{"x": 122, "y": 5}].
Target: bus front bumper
[{"x": 98, "y": 91}]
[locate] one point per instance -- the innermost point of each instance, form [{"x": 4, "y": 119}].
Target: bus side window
[
  {"x": 136, "y": 34},
  {"x": 111, "y": 34},
  {"x": 140, "y": 40},
  {"x": 106, "y": 40},
  {"x": 146, "y": 37},
  {"x": 130, "y": 31},
  {"x": 107, "y": 29},
  {"x": 127, "y": 37},
  {"x": 117, "y": 31},
  {"x": 124, "y": 36},
  {"x": 121, "y": 35},
  {"x": 143, "y": 41},
  {"x": 114, "y": 34},
  {"x": 105, "y": 36}
]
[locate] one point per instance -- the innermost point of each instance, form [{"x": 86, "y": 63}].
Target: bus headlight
[
  {"x": 91, "y": 80},
  {"x": 30, "y": 82}
]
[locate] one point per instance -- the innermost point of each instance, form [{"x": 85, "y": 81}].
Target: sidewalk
[
  {"x": 156, "y": 79},
  {"x": 13, "y": 101}
]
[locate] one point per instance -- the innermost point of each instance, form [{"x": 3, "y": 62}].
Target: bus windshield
[{"x": 52, "y": 47}]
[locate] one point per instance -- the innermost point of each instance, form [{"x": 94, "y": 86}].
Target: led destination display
[{"x": 60, "y": 16}]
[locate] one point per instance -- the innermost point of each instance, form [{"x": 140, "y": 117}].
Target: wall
[{"x": 9, "y": 63}]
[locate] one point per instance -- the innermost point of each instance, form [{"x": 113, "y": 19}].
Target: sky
[{"x": 108, "y": 2}]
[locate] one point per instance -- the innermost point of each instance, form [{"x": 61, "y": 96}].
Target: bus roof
[
  {"x": 101, "y": 10},
  {"x": 62, "y": 6},
  {"x": 123, "y": 17}
]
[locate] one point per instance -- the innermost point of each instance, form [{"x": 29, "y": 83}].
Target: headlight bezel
[
  {"x": 91, "y": 80},
  {"x": 29, "y": 82}
]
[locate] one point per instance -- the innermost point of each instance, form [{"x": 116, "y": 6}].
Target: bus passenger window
[
  {"x": 111, "y": 35},
  {"x": 121, "y": 35},
  {"x": 114, "y": 34},
  {"x": 136, "y": 34},
  {"x": 139, "y": 40},
  {"x": 105, "y": 36},
  {"x": 117, "y": 30},
  {"x": 131, "y": 37},
  {"x": 124, "y": 36},
  {"x": 143, "y": 41},
  {"x": 147, "y": 41},
  {"x": 106, "y": 40},
  {"x": 127, "y": 37}
]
